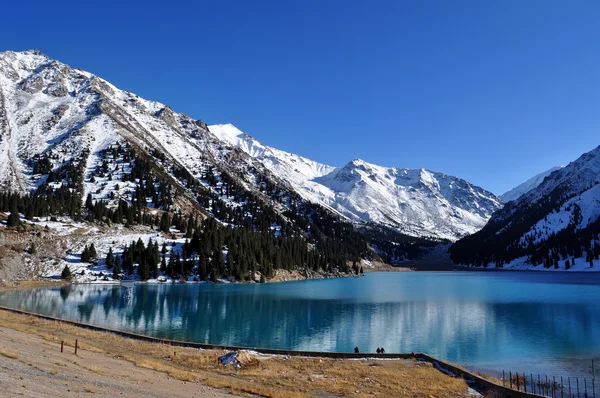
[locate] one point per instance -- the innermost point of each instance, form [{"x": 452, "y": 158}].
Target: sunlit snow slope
[
  {"x": 417, "y": 202},
  {"x": 69, "y": 116},
  {"x": 527, "y": 186}
]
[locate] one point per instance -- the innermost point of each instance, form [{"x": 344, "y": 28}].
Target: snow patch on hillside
[
  {"x": 521, "y": 264},
  {"x": 579, "y": 211}
]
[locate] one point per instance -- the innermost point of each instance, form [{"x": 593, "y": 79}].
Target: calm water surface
[{"x": 532, "y": 322}]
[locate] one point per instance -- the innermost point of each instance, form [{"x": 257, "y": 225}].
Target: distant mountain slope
[
  {"x": 527, "y": 186},
  {"x": 416, "y": 202},
  {"x": 77, "y": 149},
  {"x": 555, "y": 225}
]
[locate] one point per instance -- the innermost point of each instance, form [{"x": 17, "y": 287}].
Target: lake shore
[
  {"x": 281, "y": 275},
  {"x": 23, "y": 336}
]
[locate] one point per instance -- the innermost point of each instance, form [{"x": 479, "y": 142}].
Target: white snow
[
  {"x": 415, "y": 201},
  {"x": 60, "y": 111},
  {"x": 521, "y": 264},
  {"x": 528, "y": 185}
]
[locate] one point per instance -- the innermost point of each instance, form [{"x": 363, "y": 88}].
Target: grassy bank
[{"x": 270, "y": 376}]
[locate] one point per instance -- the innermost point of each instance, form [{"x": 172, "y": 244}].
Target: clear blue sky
[{"x": 491, "y": 91}]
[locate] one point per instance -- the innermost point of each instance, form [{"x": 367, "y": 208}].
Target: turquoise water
[{"x": 530, "y": 322}]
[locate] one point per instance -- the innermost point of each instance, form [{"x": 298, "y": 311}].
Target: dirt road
[{"x": 33, "y": 367}]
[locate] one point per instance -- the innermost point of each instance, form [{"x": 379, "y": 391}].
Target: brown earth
[
  {"x": 33, "y": 367},
  {"x": 110, "y": 365}
]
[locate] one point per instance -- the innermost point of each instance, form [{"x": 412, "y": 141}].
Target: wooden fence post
[
  {"x": 593, "y": 380},
  {"x": 76, "y": 344},
  {"x": 569, "y": 387}
]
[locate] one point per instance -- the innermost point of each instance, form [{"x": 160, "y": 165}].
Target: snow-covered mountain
[
  {"x": 555, "y": 224},
  {"x": 417, "y": 202},
  {"x": 60, "y": 126},
  {"x": 528, "y": 185}
]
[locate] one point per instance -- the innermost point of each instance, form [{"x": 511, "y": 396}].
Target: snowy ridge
[
  {"x": 580, "y": 211},
  {"x": 66, "y": 115},
  {"x": 555, "y": 224},
  {"x": 528, "y": 185},
  {"x": 49, "y": 108},
  {"x": 416, "y": 202}
]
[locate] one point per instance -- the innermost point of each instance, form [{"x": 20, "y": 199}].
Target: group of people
[{"x": 380, "y": 350}]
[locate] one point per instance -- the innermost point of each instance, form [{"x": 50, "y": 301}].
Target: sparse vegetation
[
  {"x": 266, "y": 376},
  {"x": 9, "y": 354}
]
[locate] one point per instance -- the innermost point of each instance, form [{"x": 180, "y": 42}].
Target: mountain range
[
  {"x": 76, "y": 149},
  {"x": 49, "y": 108},
  {"x": 416, "y": 202}
]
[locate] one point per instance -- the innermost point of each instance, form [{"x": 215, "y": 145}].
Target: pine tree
[
  {"x": 178, "y": 267},
  {"x": 153, "y": 259},
  {"x": 85, "y": 257},
  {"x": 89, "y": 203},
  {"x": 164, "y": 222},
  {"x": 190, "y": 227},
  {"x": 117, "y": 268},
  {"x": 130, "y": 255},
  {"x": 110, "y": 259},
  {"x": 66, "y": 273},
  {"x": 163, "y": 264},
  {"x": 202, "y": 271},
  {"x": 13, "y": 219},
  {"x": 171, "y": 264},
  {"x": 144, "y": 271},
  {"x": 92, "y": 252},
  {"x": 219, "y": 264}
]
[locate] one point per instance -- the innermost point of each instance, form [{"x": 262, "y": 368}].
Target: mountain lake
[{"x": 532, "y": 322}]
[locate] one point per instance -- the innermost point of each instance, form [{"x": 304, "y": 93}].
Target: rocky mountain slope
[
  {"x": 556, "y": 225},
  {"x": 75, "y": 149},
  {"x": 416, "y": 202},
  {"x": 527, "y": 186}
]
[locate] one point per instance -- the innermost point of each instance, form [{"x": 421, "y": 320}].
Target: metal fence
[{"x": 552, "y": 386}]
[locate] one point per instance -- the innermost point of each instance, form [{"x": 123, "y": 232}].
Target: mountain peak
[
  {"x": 359, "y": 164},
  {"x": 34, "y": 52}
]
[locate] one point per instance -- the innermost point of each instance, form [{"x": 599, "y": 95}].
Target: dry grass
[
  {"x": 268, "y": 376},
  {"x": 29, "y": 284},
  {"x": 9, "y": 354}
]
